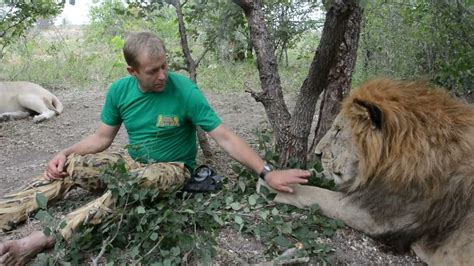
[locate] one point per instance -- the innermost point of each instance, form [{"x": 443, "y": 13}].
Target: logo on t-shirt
[{"x": 167, "y": 121}]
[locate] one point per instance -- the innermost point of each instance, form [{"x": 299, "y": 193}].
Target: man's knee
[
  {"x": 85, "y": 170},
  {"x": 164, "y": 177}
]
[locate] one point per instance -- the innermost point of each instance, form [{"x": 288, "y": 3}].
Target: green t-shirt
[{"x": 161, "y": 126}]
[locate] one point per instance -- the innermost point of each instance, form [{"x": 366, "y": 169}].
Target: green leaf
[
  {"x": 43, "y": 216},
  {"x": 229, "y": 200},
  {"x": 264, "y": 214},
  {"x": 235, "y": 206},
  {"x": 282, "y": 241},
  {"x": 253, "y": 199},
  {"x": 340, "y": 223},
  {"x": 238, "y": 220},
  {"x": 241, "y": 185},
  {"x": 175, "y": 251},
  {"x": 140, "y": 210},
  {"x": 167, "y": 262},
  {"x": 286, "y": 228},
  {"x": 264, "y": 190},
  {"x": 41, "y": 201},
  {"x": 47, "y": 231},
  {"x": 236, "y": 168},
  {"x": 190, "y": 211},
  {"x": 275, "y": 211},
  {"x": 218, "y": 219},
  {"x": 135, "y": 252},
  {"x": 314, "y": 207},
  {"x": 154, "y": 236},
  {"x": 62, "y": 224}
]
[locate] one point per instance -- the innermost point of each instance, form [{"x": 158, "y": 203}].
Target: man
[{"x": 160, "y": 110}]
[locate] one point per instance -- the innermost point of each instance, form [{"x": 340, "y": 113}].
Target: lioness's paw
[{"x": 39, "y": 118}]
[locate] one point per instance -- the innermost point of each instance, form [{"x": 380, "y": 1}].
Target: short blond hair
[{"x": 138, "y": 42}]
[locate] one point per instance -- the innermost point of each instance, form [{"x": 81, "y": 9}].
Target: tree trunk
[
  {"x": 292, "y": 132},
  {"x": 271, "y": 96},
  {"x": 340, "y": 78},
  {"x": 191, "y": 67},
  {"x": 336, "y": 51}
]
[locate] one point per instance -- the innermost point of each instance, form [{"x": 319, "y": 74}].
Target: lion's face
[{"x": 338, "y": 153}]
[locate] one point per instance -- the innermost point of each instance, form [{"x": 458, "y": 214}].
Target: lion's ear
[{"x": 375, "y": 113}]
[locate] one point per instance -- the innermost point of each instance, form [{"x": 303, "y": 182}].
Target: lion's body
[{"x": 406, "y": 171}]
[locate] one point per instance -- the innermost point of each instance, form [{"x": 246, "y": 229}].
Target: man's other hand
[
  {"x": 55, "y": 168},
  {"x": 281, "y": 180}
]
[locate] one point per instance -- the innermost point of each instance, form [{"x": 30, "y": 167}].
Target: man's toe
[
  {"x": 3, "y": 250},
  {"x": 5, "y": 258}
]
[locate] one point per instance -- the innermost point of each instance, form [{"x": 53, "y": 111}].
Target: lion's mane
[{"x": 416, "y": 158}]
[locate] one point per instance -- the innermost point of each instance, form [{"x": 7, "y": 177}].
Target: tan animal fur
[
  {"x": 19, "y": 99},
  {"x": 407, "y": 171}
]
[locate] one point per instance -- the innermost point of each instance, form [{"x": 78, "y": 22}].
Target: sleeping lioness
[
  {"x": 403, "y": 156},
  {"x": 20, "y": 99}
]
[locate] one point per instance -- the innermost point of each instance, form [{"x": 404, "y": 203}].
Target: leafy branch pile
[{"x": 152, "y": 228}]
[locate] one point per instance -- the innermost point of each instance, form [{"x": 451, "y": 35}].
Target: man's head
[{"x": 145, "y": 55}]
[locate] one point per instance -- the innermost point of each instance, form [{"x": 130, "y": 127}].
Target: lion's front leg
[{"x": 333, "y": 205}]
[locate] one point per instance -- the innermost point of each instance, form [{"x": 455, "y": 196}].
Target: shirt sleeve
[
  {"x": 200, "y": 112},
  {"x": 110, "y": 113}
]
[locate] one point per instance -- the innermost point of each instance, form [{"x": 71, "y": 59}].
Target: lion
[
  {"x": 402, "y": 155},
  {"x": 19, "y": 99}
]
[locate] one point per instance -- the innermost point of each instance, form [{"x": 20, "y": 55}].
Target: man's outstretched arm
[
  {"x": 100, "y": 140},
  {"x": 241, "y": 152}
]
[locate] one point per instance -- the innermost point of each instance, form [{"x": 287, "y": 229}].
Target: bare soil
[{"x": 26, "y": 147}]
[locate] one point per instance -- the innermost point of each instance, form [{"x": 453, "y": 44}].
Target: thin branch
[
  {"x": 108, "y": 241},
  {"x": 205, "y": 51},
  {"x": 102, "y": 251},
  {"x": 202, "y": 56},
  {"x": 258, "y": 96},
  {"x": 153, "y": 248}
]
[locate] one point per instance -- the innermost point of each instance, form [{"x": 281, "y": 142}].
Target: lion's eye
[{"x": 337, "y": 132}]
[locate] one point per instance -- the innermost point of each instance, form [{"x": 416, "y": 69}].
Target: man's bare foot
[{"x": 20, "y": 251}]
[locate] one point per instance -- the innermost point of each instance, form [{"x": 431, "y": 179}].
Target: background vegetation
[{"x": 401, "y": 39}]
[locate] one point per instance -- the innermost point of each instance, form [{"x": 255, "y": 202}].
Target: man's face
[{"x": 152, "y": 72}]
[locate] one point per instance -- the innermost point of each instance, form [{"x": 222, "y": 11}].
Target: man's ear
[
  {"x": 374, "y": 112},
  {"x": 131, "y": 71}
]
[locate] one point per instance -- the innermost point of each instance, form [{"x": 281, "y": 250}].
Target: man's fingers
[
  {"x": 61, "y": 166},
  {"x": 47, "y": 175},
  {"x": 52, "y": 170},
  {"x": 285, "y": 189},
  {"x": 297, "y": 180},
  {"x": 51, "y": 176},
  {"x": 303, "y": 173},
  {"x": 298, "y": 173}
]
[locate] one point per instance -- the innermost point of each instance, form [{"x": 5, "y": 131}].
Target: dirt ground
[{"x": 26, "y": 147}]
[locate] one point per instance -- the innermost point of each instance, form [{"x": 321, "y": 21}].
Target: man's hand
[
  {"x": 281, "y": 179},
  {"x": 55, "y": 167}
]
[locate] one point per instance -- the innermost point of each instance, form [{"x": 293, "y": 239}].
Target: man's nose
[{"x": 161, "y": 75}]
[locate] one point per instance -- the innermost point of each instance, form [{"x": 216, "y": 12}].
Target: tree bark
[
  {"x": 326, "y": 73},
  {"x": 271, "y": 95},
  {"x": 340, "y": 77},
  {"x": 191, "y": 67}
]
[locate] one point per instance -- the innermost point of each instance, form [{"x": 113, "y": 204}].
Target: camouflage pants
[{"x": 84, "y": 172}]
